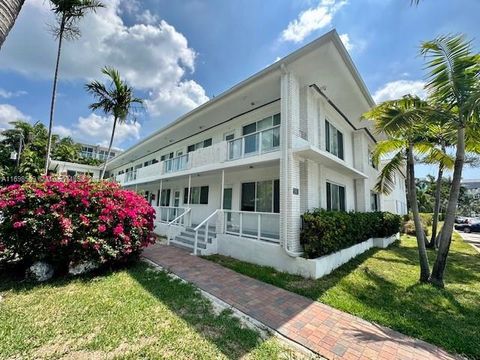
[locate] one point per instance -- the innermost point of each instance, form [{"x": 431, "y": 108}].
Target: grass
[
  {"x": 127, "y": 314},
  {"x": 382, "y": 286}
]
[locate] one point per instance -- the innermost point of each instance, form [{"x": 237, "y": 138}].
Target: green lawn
[
  {"x": 381, "y": 286},
  {"x": 126, "y": 314}
]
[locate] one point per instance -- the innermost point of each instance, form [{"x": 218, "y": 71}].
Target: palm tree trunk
[
  {"x": 447, "y": 230},
  {"x": 422, "y": 251},
  {"x": 54, "y": 94},
  {"x": 9, "y": 10},
  {"x": 109, "y": 148},
  {"x": 436, "y": 210}
]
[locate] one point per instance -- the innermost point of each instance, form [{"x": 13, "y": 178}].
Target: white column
[
  {"x": 222, "y": 190},
  {"x": 290, "y": 221}
]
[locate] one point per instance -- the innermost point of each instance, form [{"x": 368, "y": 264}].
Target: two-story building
[{"x": 234, "y": 175}]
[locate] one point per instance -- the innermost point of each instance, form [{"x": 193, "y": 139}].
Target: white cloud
[
  {"x": 184, "y": 97},
  {"x": 147, "y": 17},
  {"x": 10, "y": 94},
  {"x": 346, "y": 41},
  {"x": 152, "y": 56},
  {"x": 312, "y": 19},
  {"x": 95, "y": 129},
  {"x": 396, "y": 89},
  {"x": 10, "y": 113}
]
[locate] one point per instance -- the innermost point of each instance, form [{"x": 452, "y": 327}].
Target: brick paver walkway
[{"x": 326, "y": 331}]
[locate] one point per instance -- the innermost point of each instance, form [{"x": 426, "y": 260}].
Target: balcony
[
  {"x": 175, "y": 164},
  {"x": 254, "y": 144},
  {"x": 208, "y": 158}
]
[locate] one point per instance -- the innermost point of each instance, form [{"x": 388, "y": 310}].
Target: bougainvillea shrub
[{"x": 69, "y": 222}]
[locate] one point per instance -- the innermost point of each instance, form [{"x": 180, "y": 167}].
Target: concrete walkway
[
  {"x": 326, "y": 331},
  {"x": 471, "y": 238}
]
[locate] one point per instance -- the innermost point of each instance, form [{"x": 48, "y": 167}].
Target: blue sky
[{"x": 177, "y": 54}]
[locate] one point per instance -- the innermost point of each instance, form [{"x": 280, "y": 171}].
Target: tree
[
  {"x": 116, "y": 99},
  {"x": 9, "y": 10},
  {"x": 32, "y": 157},
  {"x": 453, "y": 82},
  {"x": 403, "y": 122},
  {"x": 68, "y": 13}
]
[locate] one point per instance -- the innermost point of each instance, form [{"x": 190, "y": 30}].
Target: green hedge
[{"x": 326, "y": 232}]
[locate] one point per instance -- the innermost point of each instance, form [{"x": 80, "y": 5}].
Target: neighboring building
[
  {"x": 97, "y": 152},
  {"x": 71, "y": 169},
  {"x": 74, "y": 169},
  {"x": 251, "y": 161},
  {"x": 472, "y": 187}
]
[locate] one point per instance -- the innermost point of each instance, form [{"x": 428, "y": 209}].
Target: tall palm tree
[
  {"x": 403, "y": 122},
  {"x": 68, "y": 13},
  {"x": 9, "y": 10},
  {"x": 116, "y": 99},
  {"x": 454, "y": 82}
]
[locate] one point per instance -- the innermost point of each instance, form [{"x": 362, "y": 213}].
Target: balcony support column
[{"x": 222, "y": 190}]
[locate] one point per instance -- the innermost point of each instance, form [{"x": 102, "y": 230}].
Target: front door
[{"x": 176, "y": 203}]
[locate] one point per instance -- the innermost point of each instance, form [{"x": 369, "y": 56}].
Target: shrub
[
  {"x": 69, "y": 222},
  {"x": 409, "y": 228},
  {"x": 325, "y": 232}
]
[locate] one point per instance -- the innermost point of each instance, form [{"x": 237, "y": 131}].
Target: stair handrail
[
  {"x": 174, "y": 221},
  {"x": 187, "y": 210},
  {"x": 205, "y": 221}
]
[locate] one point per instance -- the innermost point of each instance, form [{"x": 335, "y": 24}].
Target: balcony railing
[
  {"x": 176, "y": 164},
  {"x": 254, "y": 144},
  {"x": 255, "y": 225}
]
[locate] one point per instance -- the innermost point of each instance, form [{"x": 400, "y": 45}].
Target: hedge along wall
[
  {"x": 69, "y": 222},
  {"x": 326, "y": 232}
]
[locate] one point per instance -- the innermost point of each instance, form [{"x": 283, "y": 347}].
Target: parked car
[
  {"x": 461, "y": 220},
  {"x": 468, "y": 227}
]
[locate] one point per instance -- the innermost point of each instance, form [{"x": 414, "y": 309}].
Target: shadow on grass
[{"x": 221, "y": 329}]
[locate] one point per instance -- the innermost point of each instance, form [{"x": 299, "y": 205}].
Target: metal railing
[
  {"x": 178, "y": 221},
  {"x": 175, "y": 164},
  {"x": 256, "y": 225},
  {"x": 166, "y": 214},
  {"x": 254, "y": 144},
  {"x": 199, "y": 226}
]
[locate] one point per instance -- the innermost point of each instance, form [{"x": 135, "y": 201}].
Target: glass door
[{"x": 176, "y": 203}]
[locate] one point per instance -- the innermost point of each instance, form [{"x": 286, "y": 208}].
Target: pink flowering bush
[{"x": 68, "y": 222}]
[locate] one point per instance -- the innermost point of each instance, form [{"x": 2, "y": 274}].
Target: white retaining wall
[{"x": 268, "y": 254}]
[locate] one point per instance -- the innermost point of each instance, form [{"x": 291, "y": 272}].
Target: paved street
[{"x": 472, "y": 238}]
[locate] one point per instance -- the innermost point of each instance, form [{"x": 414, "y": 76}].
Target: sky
[{"x": 178, "y": 54}]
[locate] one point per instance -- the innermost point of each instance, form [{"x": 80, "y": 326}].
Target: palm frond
[
  {"x": 452, "y": 68},
  {"x": 386, "y": 179}
]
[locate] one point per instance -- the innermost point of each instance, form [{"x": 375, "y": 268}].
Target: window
[
  {"x": 333, "y": 140},
  {"x": 166, "y": 156},
  {"x": 199, "y": 195},
  {"x": 371, "y": 160},
  {"x": 335, "y": 197},
  {"x": 165, "y": 198},
  {"x": 229, "y": 136},
  {"x": 261, "y": 196},
  {"x": 374, "y": 201},
  {"x": 200, "y": 145}
]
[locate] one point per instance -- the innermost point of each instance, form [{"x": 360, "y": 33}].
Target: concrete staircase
[{"x": 186, "y": 240}]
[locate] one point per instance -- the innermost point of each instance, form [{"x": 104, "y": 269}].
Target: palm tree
[
  {"x": 403, "y": 122},
  {"x": 117, "y": 100},
  {"x": 454, "y": 82},
  {"x": 442, "y": 135},
  {"x": 68, "y": 13},
  {"x": 9, "y": 10}
]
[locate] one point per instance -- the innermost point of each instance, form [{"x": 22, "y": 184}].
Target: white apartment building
[{"x": 234, "y": 175}]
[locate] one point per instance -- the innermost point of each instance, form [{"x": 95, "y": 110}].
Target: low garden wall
[{"x": 330, "y": 239}]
